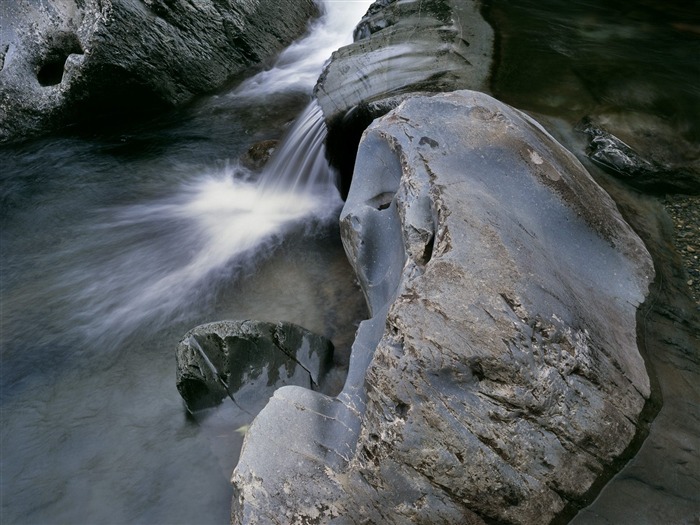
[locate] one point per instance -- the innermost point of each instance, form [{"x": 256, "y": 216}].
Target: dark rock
[
  {"x": 258, "y": 154},
  {"x": 247, "y": 361},
  {"x": 70, "y": 60},
  {"x": 499, "y": 376},
  {"x": 648, "y": 174},
  {"x": 401, "y": 49}
]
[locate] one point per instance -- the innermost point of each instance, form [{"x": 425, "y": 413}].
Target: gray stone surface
[
  {"x": 400, "y": 49},
  {"x": 68, "y": 60},
  {"x": 499, "y": 377},
  {"x": 661, "y": 483},
  {"x": 247, "y": 361},
  {"x": 666, "y": 175},
  {"x": 404, "y": 47}
]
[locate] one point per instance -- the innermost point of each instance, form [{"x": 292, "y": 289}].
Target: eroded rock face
[
  {"x": 499, "y": 375},
  {"x": 400, "y": 49},
  {"x": 71, "y": 60},
  {"x": 248, "y": 361}
]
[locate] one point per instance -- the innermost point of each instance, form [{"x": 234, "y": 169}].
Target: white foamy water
[
  {"x": 299, "y": 66},
  {"x": 176, "y": 251}
]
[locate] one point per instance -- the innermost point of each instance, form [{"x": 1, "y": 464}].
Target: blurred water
[
  {"x": 632, "y": 64},
  {"x": 112, "y": 247},
  {"x": 299, "y": 65}
]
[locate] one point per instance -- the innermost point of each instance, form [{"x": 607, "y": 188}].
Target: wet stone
[
  {"x": 400, "y": 49},
  {"x": 247, "y": 361},
  {"x": 258, "y": 154},
  {"x": 638, "y": 168},
  {"x": 64, "y": 62},
  {"x": 683, "y": 210},
  {"x": 499, "y": 374}
]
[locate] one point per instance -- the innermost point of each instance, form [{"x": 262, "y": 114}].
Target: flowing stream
[{"x": 114, "y": 245}]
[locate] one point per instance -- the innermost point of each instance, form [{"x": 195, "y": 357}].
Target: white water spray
[
  {"x": 176, "y": 251},
  {"x": 299, "y": 66}
]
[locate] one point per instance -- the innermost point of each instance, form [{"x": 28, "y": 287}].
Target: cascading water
[
  {"x": 113, "y": 247},
  {"x": 299, "y": 66},
  {"x": 302, "y": 154},
  {"x": 225, "y": 218}
]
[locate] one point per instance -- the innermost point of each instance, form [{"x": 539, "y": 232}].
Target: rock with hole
[{"x": 68, "y": 61}]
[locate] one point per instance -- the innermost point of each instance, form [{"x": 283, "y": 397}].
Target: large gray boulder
[
  {"x": 499, "y": 376},
  {"x": 400, "y": 49},
  {"x": 71, "y": 60}
]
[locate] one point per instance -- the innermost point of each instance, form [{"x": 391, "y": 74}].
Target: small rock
[
  {"x": 258, "y": 154},
  {"x": 638, "y": 168},
  {"x": 248, "y": 361}
]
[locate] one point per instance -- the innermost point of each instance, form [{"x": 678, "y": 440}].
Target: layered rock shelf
[
  {"x": 400, "y": 49},
  {"x": 69, "y": 61}
]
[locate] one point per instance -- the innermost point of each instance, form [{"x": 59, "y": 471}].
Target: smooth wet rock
[
  {"x": 640, "y": 170},
  {"x": 247, "y": 361},
  {"x": 64, "y": 61},
  {"x": 499, "y": 376},
  {"x": 258, "y": 154},
  {"x": 400, "y": 49}
]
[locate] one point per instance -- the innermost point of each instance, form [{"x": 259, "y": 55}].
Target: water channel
[{"x": 114, "y": 244}]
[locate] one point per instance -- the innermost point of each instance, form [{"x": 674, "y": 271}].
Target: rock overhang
[{"x": 401, "y": 49}]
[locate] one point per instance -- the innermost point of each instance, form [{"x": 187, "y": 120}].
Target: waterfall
[
  {"x": 299, "y": 164},
  {"x": 176, "y": 252}
]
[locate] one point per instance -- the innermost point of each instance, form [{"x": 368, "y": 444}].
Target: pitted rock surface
[
  {"x": 499, "y": 375},
  {"x": 74, "y": 60}
]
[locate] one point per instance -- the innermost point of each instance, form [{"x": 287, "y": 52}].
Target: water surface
[{"x": 114, "y": 244}]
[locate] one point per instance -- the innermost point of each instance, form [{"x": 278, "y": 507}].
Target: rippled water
[{"x": 632, "y": 64}]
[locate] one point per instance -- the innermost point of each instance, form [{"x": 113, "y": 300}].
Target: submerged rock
[
  {"x": 75, "y": 60},
  {"x": 247, "y": 361},
  {"x": 498, "y": 377},
  {"x": 624, "y": 162},
  {"x": 400, "y": 49},
  {"x": 258, "y": 154}
]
